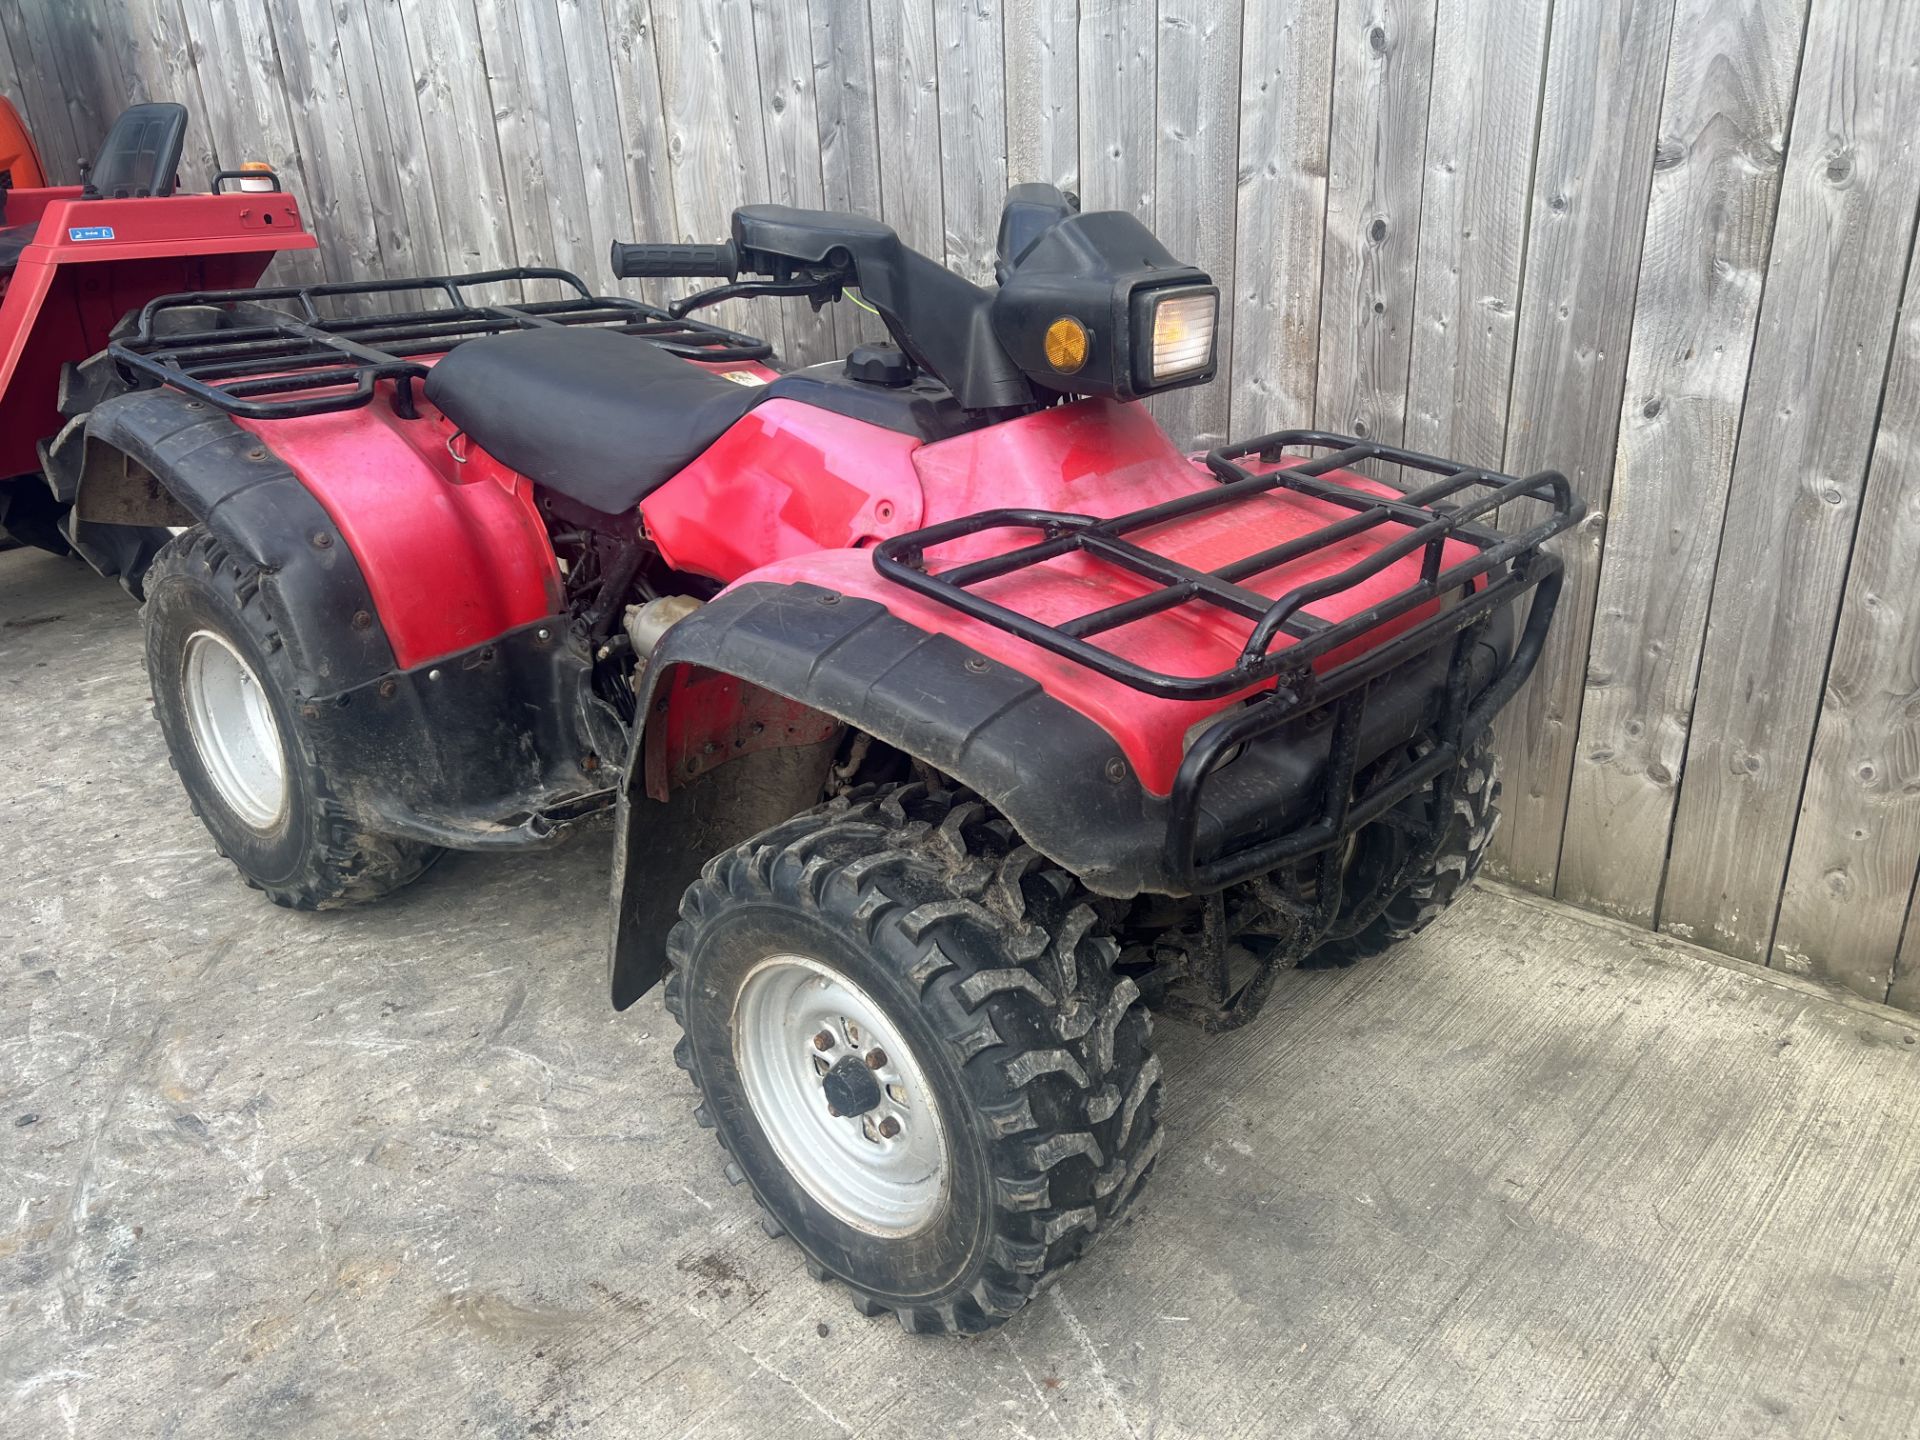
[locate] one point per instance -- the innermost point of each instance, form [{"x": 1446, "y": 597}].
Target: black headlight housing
[{"x": 1106, "y": 272}]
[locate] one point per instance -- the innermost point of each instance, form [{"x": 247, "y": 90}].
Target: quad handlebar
[
  {"x": 640, "y": 262},
  {"x": 1101, "y": 272}
]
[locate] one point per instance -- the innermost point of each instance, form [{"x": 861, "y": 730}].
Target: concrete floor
[{"x": 401, "y": 1171}]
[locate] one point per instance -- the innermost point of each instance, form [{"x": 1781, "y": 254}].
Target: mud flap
[{"x": 661, "y": 847}]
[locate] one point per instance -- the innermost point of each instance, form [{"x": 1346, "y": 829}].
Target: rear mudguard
[
  {"x": 256, "y": 505},
  {"x": 489, "y": 738},
  {"x": 745, "y": 701}
]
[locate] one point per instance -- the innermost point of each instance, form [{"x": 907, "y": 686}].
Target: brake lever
[{"x": 820, "y": 291}]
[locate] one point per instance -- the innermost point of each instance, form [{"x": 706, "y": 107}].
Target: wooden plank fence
[{"x": 1662, "y": 245}]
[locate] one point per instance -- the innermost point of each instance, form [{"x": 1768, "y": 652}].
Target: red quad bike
[
  {"x": 953, "y": 716},
  {"x": 74, "y": 260}
]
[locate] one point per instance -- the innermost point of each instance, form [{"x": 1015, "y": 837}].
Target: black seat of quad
[
  {"x": 596, "y": 416},
  {"x": 141, "y": 154}
]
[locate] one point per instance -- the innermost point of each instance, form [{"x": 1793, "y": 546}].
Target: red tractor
[
  {"x": 951, "y": 715},
  {"x": 74, "y": 260}
]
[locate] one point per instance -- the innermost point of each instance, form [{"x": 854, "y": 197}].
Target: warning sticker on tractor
[
  {"x": 742, "y": 377},
  {"x": 90, "y": 232}
]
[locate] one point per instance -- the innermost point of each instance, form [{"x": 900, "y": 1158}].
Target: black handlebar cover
[{"x": 638, "y": 262}]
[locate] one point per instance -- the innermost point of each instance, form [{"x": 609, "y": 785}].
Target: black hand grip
[{"x": 637, "y": 262}]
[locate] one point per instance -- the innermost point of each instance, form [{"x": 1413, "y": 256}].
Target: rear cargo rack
[
  {"x": 264, "y": 363},
  {"x": 1431, "y": 516},
  {"x": 1197, "y": 857}
]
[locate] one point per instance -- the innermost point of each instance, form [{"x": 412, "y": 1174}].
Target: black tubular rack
[
  {"x": 1501, "y": 568},
  {"x": 1429, "y": 517},
  {"x": 260, "y": 362}
]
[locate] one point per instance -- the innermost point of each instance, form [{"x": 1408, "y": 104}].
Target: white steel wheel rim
[
  {"x": 234, "y": 732},
  {"x": 883, "y": 1184}
]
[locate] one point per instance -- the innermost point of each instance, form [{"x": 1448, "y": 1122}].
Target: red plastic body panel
[
  {"x": 453, "y": 554},
  {"x": 456, "y": 554},
  {"x": 66, "y": 294},
  {"x": 787, "y": 479},
  {"x": 1100, "y": 458}
]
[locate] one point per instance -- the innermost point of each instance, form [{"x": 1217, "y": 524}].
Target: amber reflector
[{"x": 1066, "y": 344}]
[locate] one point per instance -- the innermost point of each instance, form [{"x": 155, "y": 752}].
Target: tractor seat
[
  {"x": 14, "y": 239},
  {"x": 599, "y": 417}
]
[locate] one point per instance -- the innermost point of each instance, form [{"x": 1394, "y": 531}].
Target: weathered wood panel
[
  {"x": 383, "y": 91},
  {"x": 642, "y": 118},
  {"x": 1281, "y": 208},
  {"x": 1833, "y": 287},
  {"x": 1119, "y": 80},
  {"x": 783, "y": 43},
  {"x": 245, "y": 96},
  {"x": 1716, "y": 175},
  {"x": 86, "y": 72},
  {"x": 849, "y": 133},
  {"x": 156, "y": 62},
  {"x": 457, "y": 130},
  {"x": 1489, "y": 62},
  {"x": 1857, "y": 842},
  {"x": 1195, "y": 163},
  {"x": 1533, "y": 233},
  {"x": 1383, "y": 65},
  {"x": 533, "y": 122},
  {"x": 1606, "y": 59},
  {"x": 973, "y": 132},
  {"x": 587, "y": 44},
  {"x": 11, "y": 86},
  {"x": 906, "y": 94},
  {"x": 325, "y": 132},
  {"x": 36, "y": 87},
  {"x": 1043, "y": 93},
  {"x": 716, "y": 145}
]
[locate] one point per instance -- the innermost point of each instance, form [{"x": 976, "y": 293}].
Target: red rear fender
[{"x": 453, "y": 554}]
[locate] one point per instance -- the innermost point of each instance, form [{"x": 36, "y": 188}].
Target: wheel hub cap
[
  {"x": 233, "y": 729},
  {"x": 850, "y": 1088},
  {"x": 840, "y": 1096}
]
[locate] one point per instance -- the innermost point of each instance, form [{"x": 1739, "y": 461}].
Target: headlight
[{"x": 1173, "y": 334}]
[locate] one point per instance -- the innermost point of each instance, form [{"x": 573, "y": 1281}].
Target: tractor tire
[
  {"x": 1418, "y": 902},
  {"x": 899, "y": 956},
  {"x": 224, "y": 695}
]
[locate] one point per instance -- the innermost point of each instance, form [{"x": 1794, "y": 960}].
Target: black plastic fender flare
[
  {"x": 988, "y": 726},
  {"x": 230, "y": 480},
  {"x": 789, "y": 665}
]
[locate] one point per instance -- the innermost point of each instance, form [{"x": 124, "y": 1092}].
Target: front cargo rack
[
  {"x": 1199, "y": 856},
  {"x": 258, "y": 361},
  {"x": 1431, "y": 517}
]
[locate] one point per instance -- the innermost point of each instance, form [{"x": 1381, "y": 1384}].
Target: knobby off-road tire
[
  {"x": 990, "y": 969},
  {"x": 1420, "y": 900},
  {"x": 308, "y": 853}
]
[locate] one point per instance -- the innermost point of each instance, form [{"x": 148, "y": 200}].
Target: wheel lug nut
[
  {"x": 823, "y": 1041},
  {"x": 876, "y": 1059},
  {"x": 889, "y": 1127},
  {"x": 833, "y": 1110}
]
